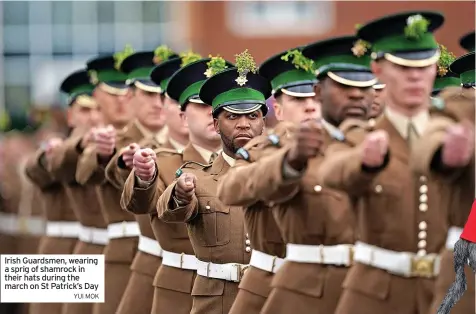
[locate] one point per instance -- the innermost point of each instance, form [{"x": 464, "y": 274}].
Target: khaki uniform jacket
[
  {"x": 172, "y": 237},
  {"x": 398, "y": 211},
  {"x": 217, "y": 233},
  {"x": 426, "y": 159}
]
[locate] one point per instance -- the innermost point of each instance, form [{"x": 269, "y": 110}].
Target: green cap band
[
  {"x": 190, "y": 91},
  {"x": 140, "y": 73},
  {"x": 164, "y": 83},
  {"x": 442, "y": 82},
  {"x": 82, "y": 89},
  {"x": 111, "y": 76},
  {"x": 402, "y": 43},
  {"x": 236, "y": 95},
  {"x": 291, "y": 77},
  {"x": 468, "y": 77},
  {"x": 363, "y": 60}
]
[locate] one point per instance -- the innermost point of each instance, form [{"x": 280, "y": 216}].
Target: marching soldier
[
  {"x": 446, "y": 152},
  {"x": 217, "y": 232},
  {"x": 174, "y": 280},
  {"x": 83, "y": 116},
  {"x": 292, "y": 79},
  {"x": 316, "y": 223},
  {"x": 148, "y": 127},
  {"x": 110, "y": 92},
  {"x": 402, "y": 217}
]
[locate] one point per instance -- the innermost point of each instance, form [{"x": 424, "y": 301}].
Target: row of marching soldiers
[{"x": 170, "y": 173}]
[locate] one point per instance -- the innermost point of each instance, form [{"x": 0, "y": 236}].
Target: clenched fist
[
  {"x": 308, "y": 142},
  {"x": 105, "y": 140},
  {"x": 374, "y": 149},
  {"x": 87, "y": 138},
  {"x": 51, "y": 144},
  {"x": 128, "y": 154},
  {"x": 144, "y": 164},
  {"x": 185, "y": 188},
  {"x": 458, "y": 145}
]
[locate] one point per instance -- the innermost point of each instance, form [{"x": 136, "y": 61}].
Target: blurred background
[{"x": 42, "y": 41}]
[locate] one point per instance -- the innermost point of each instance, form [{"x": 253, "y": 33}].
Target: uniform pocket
[
  {"x": 212, "y": 225},
  {"x": 367, "y": 280}
]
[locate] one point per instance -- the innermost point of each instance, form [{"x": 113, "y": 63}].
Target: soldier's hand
[
  {"x": 374, "y": 149},
  {"x": 185, "y": 188},
  {"x": 105, "y": 140},
  {"x": 51, "y": 144},
  {"x": 88, "y": 137},
  {"x": 143, "y": 162},
  {"x": 458, "y": 145},
  {"x": 308, "y": 142},
  {"x": 128, "y": 154}
]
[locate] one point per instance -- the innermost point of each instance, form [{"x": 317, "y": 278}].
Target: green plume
[
  {"x": 215, "y": 65},
  {"x": 245, "y": 63},
  {"x": 162, "y": 53},
  {"x": 4, "y": 121},
  {"x": 120, "y": 56},
  {"x": 416, "y": 27},
  {"x": 189, "y": 57},
  {"x": 446, "y": 58},
  {"x": 299, "y": 60}
]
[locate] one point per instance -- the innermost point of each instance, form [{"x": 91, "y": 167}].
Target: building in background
[{"x": 42, "y": 41}]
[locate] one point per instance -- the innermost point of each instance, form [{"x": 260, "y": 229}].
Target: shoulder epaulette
[
  {"x": 190, "y": 164},
  {"x": 166, "y": 151}
]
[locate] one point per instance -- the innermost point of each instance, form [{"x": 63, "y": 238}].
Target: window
[
  {"x": 284, "y": 18},
  {"x": 128, "y": 12},
  {"x": 62, "y": 12},
  {"x": 106, "y": 38},
  {"x": 84, "y": 12},
  {"x": 40, "y": 12},
  {"x": 16, "y": 38},
  {"x": 17, "y": 98},
  {"x": 16, "y": 70},
  {"x": 62, "y": 38},
  {"x": 41, "y": 39},
  {"x": 15, "y": 12},
  {"x": 105, "y": 12}
]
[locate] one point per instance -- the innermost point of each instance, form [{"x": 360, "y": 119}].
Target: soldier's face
[
  {"x": 297, "y": 109},
  {"x": 377, "y": 106},
  {"x": 198, "y": 118},
  {"x": 115, "y": 108},
  {"x": 405, "y": 86},
  {"x": 84, "y": 116},
  {"x": 340, "y": 102},
  {"x": 237, "y": 129},
  {"x": 148, "y": 108},
  {"x": 173, "y": 117}
]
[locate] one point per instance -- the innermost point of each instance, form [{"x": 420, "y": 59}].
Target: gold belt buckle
[
  {"x": 422, "y": 267},
  {"x": 240, "y": 271},
  {"x": 124, "y": 228},
  {"x": 23, "y": 225}
]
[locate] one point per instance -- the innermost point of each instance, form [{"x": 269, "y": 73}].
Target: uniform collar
[
  {"x": 228, "y": 159},
  {"x": 205, "y": 153},
  {"x": 176, "y": 145},
  {"x": 400, "y": 122},
  {"x": 160, "y": 137}
]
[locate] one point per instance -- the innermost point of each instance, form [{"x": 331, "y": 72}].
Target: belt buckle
[
  {"x": 124, "y": 228},
  {"x": 23, "y": 225},
  {"x": 240, "y": 271},
  {"x": 351, "y": 255},
  {"x": 273, "y": 264},
  {"x": 181, "y": 261},
  {"x": 422, "y": 267}
]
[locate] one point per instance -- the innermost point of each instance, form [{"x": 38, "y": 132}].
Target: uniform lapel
[
  {"x": 191, "y": 154},
  {"x": 219, "y": 167},
  {"x": 398, "y": 145}
]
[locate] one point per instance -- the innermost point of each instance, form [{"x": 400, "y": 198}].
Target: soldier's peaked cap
[
  {"x": 468, "y": 41},
  {"x": 464, "y": 66},
  {"x": 222, "y": 91},
  {"x": 78, "y": 86},
  {"x": 103, "y": 70},
  {"x": 162, "y": 73},
  {"x": 405, "y": 38}
]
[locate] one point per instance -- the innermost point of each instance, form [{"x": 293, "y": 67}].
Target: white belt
[
  {"x": 265, "y": 261},
  {"x": 230, "y": 272},
  {"x": 320, "y": 254},
  {"x": 404, "y": 264},
  {"x": 183, "y": 261},
  {"x": 150, "y": 246},
  {"x": 93, "y": 235},
  {"x": 13, "y": 224},
  {"x": 125, "y": 229},
  {"x": 454, "y": 234},
  {"x": 63, "y": 229}
]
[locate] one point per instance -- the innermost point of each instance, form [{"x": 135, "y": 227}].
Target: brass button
[
  {"x": 247, "y": 236},
  {"x": 423, "y": 189},
  {"x": 247, "y": 242},
  {"x": 207, "y": 207},
  {"x": 421, "y": 244},
  {"x": 371, "y": 123},
  {"x": 423, "y": 198},
  {"x": 248, "y": 249},
  {"x": 422, "y": 179},
  {"x": 422, "y": 235},
  {"x": 421, "y": 253},
  {"x": 423, "y": 207},
  {"x": 317, "y": 188},
  {"x": 422, "y": 225},
  {"x": 378, "y": 188}
]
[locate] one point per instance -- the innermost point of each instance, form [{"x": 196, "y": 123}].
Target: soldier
[
  {"x": 401, "y": 223},
  {"x": 444, "y": 77},
  {"x": 292, "y": 79},
  {"x": 446, "y": 152},
  {"x": 83, "y": 115},
  {"x": 316, "y": 223},
  {"x": 123, "y": 231},
  {"x": 147, "y": 128},
  {"x": 217, "y": 231},
  {"x": 378, "y": 103},
  {"x": 174, "y": 280}
]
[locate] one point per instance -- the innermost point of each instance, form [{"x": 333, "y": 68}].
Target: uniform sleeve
[
  {"x": 168, "y": 211},
  {"x": 89, "y": 170},
  {"x": 426, "y": 155},
  {"x": 342, "y": 169},
  {"x": 116, "y": 171},
  {"x": 141, "y": 199},
  {"x": 263, "y": 180},
  {"x": 64, "y": 160},
  {"x": 37, "y": 172}
]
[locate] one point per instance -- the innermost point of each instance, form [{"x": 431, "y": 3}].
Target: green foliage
[
  {"x": 416, "y": 27},
  {"x": 446, "y": 58},
  {"x": 245, "y": 63},
  {"x": 299, "y": 60},
  {"x": 162, "y": 53},
  {"x": 189, "y": 57},
  {"x": 215, "y": 65},
  {"x": 120, "y": 56}
]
